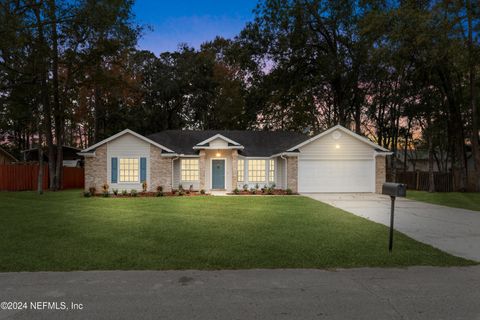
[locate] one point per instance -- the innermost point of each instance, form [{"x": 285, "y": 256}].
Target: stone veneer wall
[
  {"x": 96, "y": 169},
  {"x": 292, "y": 173},
  {"x": 160, "y": 170},
  {"x": 380, "y": 173},
  {"x": 201, "y": 169},
  {"x": 234, "y": 168}
]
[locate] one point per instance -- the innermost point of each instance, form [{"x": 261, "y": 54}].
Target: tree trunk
[{"x": 431, "y": 180}]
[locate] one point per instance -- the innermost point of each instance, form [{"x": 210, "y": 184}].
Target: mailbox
[{"x": 394, "y": 189}]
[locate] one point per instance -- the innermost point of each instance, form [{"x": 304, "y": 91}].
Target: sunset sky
[{"x": 193, "y": 22}]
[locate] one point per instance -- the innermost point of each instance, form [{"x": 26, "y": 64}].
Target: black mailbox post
[{"x": 393, "y": 190}]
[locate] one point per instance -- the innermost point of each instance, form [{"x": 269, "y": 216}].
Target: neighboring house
[
  {"x": 71, "y": 157},
  {"x": 5, "y": 157},
  {"x": 336, "y": 160}
]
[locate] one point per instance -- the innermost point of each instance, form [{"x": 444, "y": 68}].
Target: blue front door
[{"x": 218, "y": 174}]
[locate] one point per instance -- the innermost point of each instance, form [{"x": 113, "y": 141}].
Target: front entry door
[{"x": 218, "y": 174}]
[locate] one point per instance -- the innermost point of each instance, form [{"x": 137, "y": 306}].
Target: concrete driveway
[{"x": 453, "y": 230}]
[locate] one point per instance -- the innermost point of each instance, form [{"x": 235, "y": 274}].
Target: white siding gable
[
  {"x": 325, "y": 148},
  {"x": 127, "y": 146},
  {"x": 218, "y": 144}
]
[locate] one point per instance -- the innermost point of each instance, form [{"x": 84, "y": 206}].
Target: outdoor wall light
[
  {"x": 337, "y": 146},
  {"x": 218, "y": 154}
]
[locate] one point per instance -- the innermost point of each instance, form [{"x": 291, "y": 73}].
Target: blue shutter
[
  {"x": 143, "y": 169},
  {"x": 114, "y": 170}
]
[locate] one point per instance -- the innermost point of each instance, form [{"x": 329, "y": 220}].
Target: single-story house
[
  {"x": 336, "y": 160},
  {"x": 6, "y": 157}
]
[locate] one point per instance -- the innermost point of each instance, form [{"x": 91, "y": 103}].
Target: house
[
  {"x": 71, "y": 156},
  {"x": 5, "y": 157},
  {"x": 336, "y": 160}
]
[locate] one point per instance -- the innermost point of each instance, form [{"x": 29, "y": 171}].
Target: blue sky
[{"x": 193, "y": 22}]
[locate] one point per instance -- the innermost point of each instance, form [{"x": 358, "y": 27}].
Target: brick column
[
  {"x": 292, "y": 173},
  {"x": 160, "y": 170},
  {"x": 234, "y": 169},
  {"x": 96, "y": 169},
  {"x": 380, "y": 173},
  {"x": 201, "y": 167}
]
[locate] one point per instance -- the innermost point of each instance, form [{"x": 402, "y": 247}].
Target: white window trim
[
  {"x": 118, "y": 169},
  {"x": 181, "y": 180}
]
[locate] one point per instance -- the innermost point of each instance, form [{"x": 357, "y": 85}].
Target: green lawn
[
  {"x": 465, "y": 200},
  {"x": 64, "y": 231}
]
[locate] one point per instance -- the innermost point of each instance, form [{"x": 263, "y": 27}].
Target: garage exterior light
[{"x": 337, "y": 146}]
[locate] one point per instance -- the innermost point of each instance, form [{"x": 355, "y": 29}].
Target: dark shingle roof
[{"x": 256, "y": 143}]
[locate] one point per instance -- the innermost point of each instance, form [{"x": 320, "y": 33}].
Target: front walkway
[
  {"x": 411, "y": 293},
  {"x": 453, "y": 230}
]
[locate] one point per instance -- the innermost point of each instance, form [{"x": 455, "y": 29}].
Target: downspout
[
  {"x": 173, "y": 160},
  {"x": 286, "y": 172}
]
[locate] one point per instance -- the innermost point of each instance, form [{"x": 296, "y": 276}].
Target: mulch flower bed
[
  {"x": 259, "y": 192},
  {"x": 151, "y": 194}
]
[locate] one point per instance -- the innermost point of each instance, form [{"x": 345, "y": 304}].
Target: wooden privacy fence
[
  {"x": 21, "y": 177},
  {"x": 419, "y": 180}
]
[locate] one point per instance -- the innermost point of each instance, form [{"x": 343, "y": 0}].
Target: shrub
[
  {"x": 253, "y": 191},
  {"x": 245, "y": 187},
  {"x": 160, "y": 194},
  {"x": 257, "y": 186},
  {"x": 115, "y": 191},
  {"x": 144, "y": 186},
  {"x": 124, "y": 192},
  {"x": 87, "y": 194},
  {"x": 92, "y": 191},
  {"x": 105, "y": 188},
  {"x": 191, "y": 188},
  {"x": 289, "y": 191},
  {"x": 180, "y": 187},
  {"x": 174, "y": 191},
  {"x": 270, "y": 191},
  {"x": 181, "y": 192},
  {"x": 236, "y": 191},
  {"x": 133, "y": 193},
  {"x": 202, "y": 191},
  {"x": 160, "y": 189},
  {"x": 273, "y": 185}
]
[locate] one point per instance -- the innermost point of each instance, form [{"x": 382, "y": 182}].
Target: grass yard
[
  {"x": 64, "y": 231},
  {"x": 464, "y": 200}
]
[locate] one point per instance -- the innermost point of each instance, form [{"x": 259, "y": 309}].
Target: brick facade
[
  {"x": 201, "y": 166},
  {"x": 234, "y": 169},
  {"x": 292, "y": 173},
  {"x": 380, "y": 173},
  {"x": 96, "y": 169},
  {"x": 160, "y": 170}
]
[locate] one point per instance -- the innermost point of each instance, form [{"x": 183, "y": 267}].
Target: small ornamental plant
[
  {"x": 236, "y": 191},
  {"x": 133, "y": 193},
  {"x": 190, "y": 189},
  {"x": 92, "y": 190},
  {"x": 105, "y": 188},
  {"x": 253, "y": 191},
  {"x": 180, "y": 187},
  {"x": 270, "y": 190},
  {"x": 160, "y": 191},
  {"x": 124, "y": 192},
  {"x": 115, "y": 191},
  {"x": 202, "y": 191},
  {"x": 245, "y": 187},
  {"x": 257, "y": 186},
  {"x": 87, "y": 194},
  {"x": 144, "y": 186},
  {"x": 289, "y": 191},
  {"x": 181, "y": 192}
]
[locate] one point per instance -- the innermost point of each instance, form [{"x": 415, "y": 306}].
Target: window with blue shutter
[
  {"x": 114, "y": 170},
  {"x": 143, "y": 169}
]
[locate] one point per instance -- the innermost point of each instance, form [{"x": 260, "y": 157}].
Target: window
[
  {"x": 189, "y": 169},
  {"x": 256, "y": 170},
  {"x": 241, "y": 170},
  {"x": 128, "y": 170},
  {"x": 271, "y": 171}
]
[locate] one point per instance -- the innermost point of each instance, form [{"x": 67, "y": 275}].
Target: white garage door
[{"x": 336, "y": 176}]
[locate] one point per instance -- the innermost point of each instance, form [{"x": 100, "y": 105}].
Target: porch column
[
  {"x": 201, "y": 167},
  {"x": 292, "y": 173},
  {"x": 234, "y": 169}
]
